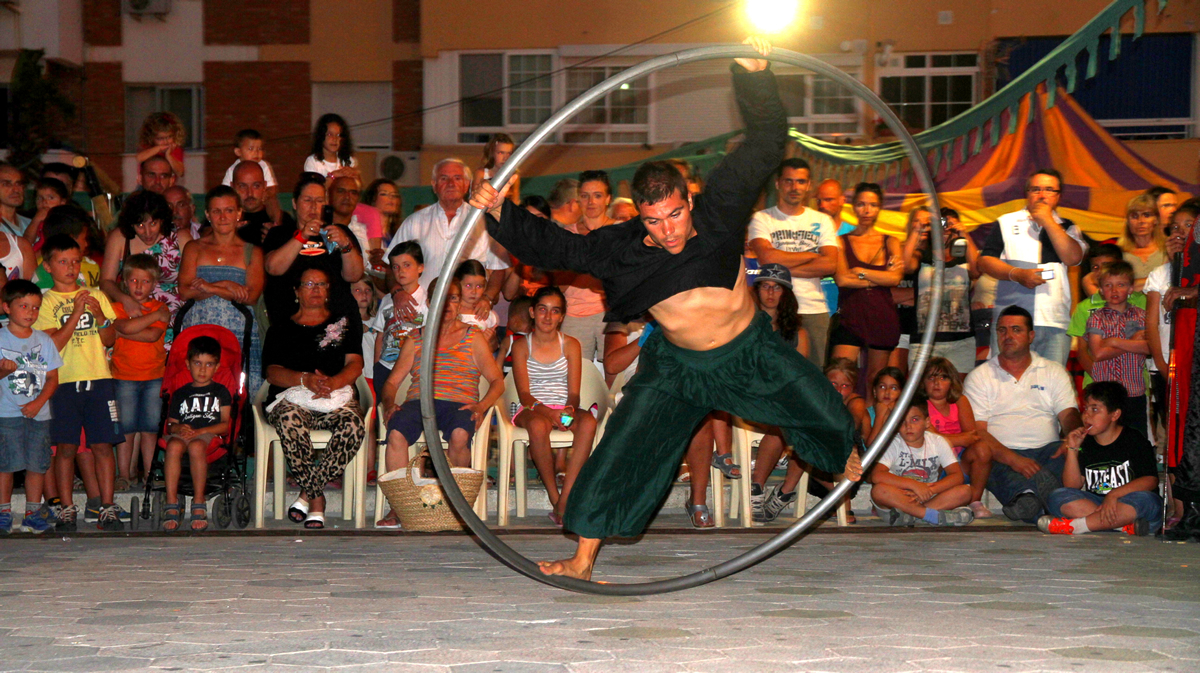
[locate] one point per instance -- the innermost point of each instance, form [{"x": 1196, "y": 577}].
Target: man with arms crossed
[
  {"x": 682, "y": 261},
  {"x": 805, "y": 241}
]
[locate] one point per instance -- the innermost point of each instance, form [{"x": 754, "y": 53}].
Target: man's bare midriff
[{"x": 705, "y": 318}]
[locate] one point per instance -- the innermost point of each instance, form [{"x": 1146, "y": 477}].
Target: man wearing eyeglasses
[
  {"x": 12, "y": 196},
  {"x": 1028, "y": 253}
]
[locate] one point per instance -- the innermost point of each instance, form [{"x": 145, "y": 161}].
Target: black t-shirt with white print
[
  {"x": 199, "y": 407},
  {"x": 1105, "y": 468}
]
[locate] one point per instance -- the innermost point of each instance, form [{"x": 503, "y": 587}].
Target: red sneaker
[{"x": 1055, "y": 525}]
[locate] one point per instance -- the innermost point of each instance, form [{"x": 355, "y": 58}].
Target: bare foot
[{"x": 571, "y": 567}]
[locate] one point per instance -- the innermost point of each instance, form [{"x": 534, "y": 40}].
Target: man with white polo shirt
[
  {"x": 1024, "y": 404},
  {"x": 803, "y": 240},
  {"x": 435, "y": 227},
  {"x": 1028, "y": 253}
]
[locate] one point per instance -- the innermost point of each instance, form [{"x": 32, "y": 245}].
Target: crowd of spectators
[{"x": 334, "y": 287}]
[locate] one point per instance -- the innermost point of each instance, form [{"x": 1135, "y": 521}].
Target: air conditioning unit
[
  {"x": 403, "y": 168},
  {"x": 146, "y": 7}
]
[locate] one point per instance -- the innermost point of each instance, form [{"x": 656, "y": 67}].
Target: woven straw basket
[{"x": 420, "y": 503}]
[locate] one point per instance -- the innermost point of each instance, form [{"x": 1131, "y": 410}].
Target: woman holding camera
[{"x": 955, "y": 336}]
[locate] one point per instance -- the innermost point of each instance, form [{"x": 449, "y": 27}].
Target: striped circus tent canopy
[{"x": 1100, "y": 174}]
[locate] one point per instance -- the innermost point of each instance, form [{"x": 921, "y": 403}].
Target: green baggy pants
[{"x": 756, "y": 377}]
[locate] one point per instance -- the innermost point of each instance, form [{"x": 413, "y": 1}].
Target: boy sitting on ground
[
  {"x": 199, "y": 412},
  {"x": 1110, "y": 478},
  {"x": 29, "y": 365},
  {"x": 907, "y": 481}
]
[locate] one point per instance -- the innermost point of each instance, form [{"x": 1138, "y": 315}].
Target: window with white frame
[
  {"x": 503, "y": 92},
  {"x": 621, "y": 117},
  {"x": 819, "y": 106},
  {"x": 184, "y": 101},
  {"x": 925, "y": 90}
]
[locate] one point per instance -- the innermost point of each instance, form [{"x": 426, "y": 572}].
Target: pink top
[
  {"x": 946, "y": 424},
  {"x": 372, "y": 218},
  {"x": 585, "y": 294}
]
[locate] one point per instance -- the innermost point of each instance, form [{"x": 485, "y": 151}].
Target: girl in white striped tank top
[{"x": 547, "y": 369}]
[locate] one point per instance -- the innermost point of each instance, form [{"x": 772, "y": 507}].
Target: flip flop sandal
[
  {"x": 555, "y": 518},
  {"x": 704, "y": 520},
  {"x": 298, "y": 512},
  {"x": 172, "y": 514},
  {"x": 389, "y": 522},
  {"x": 315, "y": 521},
  {"x": 724, "y": 463},
  {"x": 199, "y": 516}
]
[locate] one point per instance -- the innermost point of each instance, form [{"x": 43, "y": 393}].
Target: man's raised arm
[{"x": 734, "y": 186}]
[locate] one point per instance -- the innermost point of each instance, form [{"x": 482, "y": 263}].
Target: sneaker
[
  {"x": 5, "y": 523},
  {"x": 1053, "y": 525},
  {"x": 91, "y": 511},
  {"x": 66, "y": 519},
  {"x": 55, "y": 511},
  {"x": 38, "y": 522},
  {"x": 109, "y": 520},
  {"x": 775, "y": 503},
  {"x": 1024, "y": 507},
  {"x": 756, "y": 502},
  {"x": 898, "y": 518},
  {"x": 122, "y": 514},
  {"x": 959, "y": 516},
  {"x": 1045, "y": 483},
  {"x": 981, "y": 511},
  {"x": 1140, "y": 528}
]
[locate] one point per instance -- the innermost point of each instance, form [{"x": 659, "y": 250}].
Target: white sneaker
[{"x": 980, "y": 511}]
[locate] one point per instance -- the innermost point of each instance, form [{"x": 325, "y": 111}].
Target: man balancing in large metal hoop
[{"x": 681, "y": 260}]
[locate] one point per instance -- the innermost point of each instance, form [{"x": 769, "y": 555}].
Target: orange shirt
[{"x": 138, "y": 360}]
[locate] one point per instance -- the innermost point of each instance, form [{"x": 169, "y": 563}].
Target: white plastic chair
[
  {"x": 479, "y": 447},
  {"x": 745, "y": 436},
  {"x": 354, "y": 482},
  {"x": 592, "y": 390}
]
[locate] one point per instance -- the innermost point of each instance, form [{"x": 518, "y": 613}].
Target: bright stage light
[{"x": 772, "y": 16}]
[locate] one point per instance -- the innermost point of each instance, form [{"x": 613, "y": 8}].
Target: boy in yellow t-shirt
[{"x": 79, "y": 320}]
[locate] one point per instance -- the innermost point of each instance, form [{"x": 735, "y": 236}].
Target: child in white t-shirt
[
  {"x": 393, "y": 326},
  {"x": 248, "y": 146},
  {"x": 907, "y": 482}
]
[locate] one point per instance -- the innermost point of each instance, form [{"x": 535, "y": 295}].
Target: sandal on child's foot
[
  {"x": 555, "y": 518},
  {"x": 199, "y": 517},
  {"x": 298, "y": 512},
  {"x": 724, "y": 463},
  {"x": 700, "y": 516},
  {"x": 315, "y": 521},
  {"x": 172, "y": 515}
]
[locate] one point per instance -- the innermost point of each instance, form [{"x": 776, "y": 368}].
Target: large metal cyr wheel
[{"x": 530, "y": 569}]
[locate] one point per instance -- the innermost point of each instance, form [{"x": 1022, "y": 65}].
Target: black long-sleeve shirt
[{"x": 637, "y": 276}]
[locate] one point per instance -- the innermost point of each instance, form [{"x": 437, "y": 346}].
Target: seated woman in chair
[
  {"x": 463, "y": 355},
  {"x": 547, "y": 370},
  {"x": 321, "y": 352}
]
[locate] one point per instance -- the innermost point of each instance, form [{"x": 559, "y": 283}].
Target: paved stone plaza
[{"x": 876, "y": 600}]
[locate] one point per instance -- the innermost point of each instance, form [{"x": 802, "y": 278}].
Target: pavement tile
[{"x": 965, "y": 601}]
